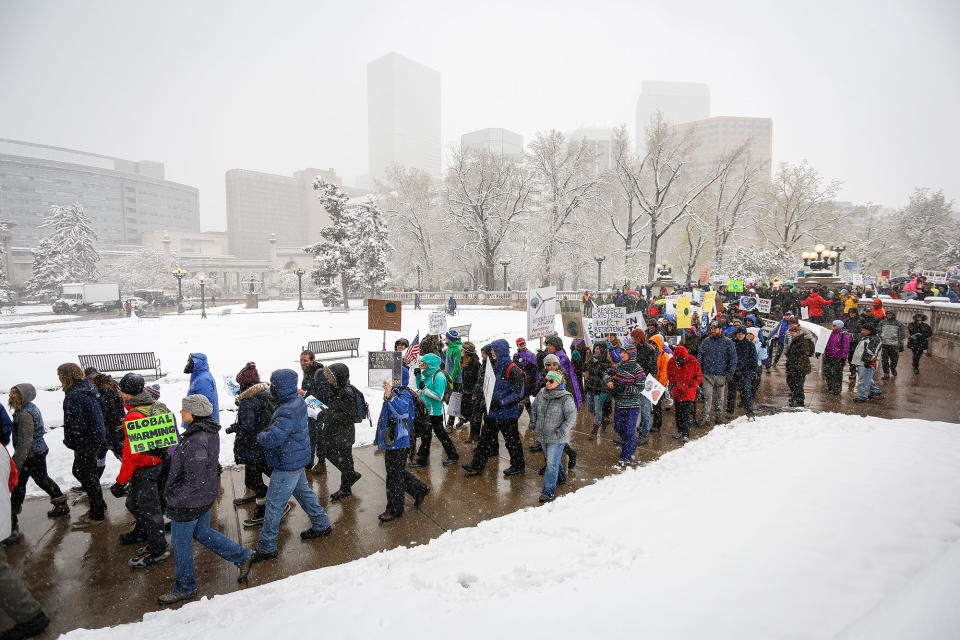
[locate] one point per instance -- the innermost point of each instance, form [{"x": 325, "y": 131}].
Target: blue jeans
[
  {"x": 625, "y": 424},
  {"x": 595, "y": 406},
  {"x": 553, "y": 452},
  {"x": 865, "y": 383},
  {"x": 645, "y": 407},
  {"x": 283, "y": 484},
  {"x": 182, "y": 535}
]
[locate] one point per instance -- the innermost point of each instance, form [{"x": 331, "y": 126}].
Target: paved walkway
[{"x": 82, "y": 579}]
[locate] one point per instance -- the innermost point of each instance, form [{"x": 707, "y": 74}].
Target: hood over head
[
  {"x": 658, "y": 341},
  {"x": 27, "y": 392},
  {"x": 680, "y": 352},
  {"x": 502, "y": 350},
  {"x": 199, "y": 362},
  {"x": 341, "y": 373},
  {"x": 284, "y": 383}
]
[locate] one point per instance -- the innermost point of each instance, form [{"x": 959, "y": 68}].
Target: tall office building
[
  {"x": 122, "y": 198},
  {"x": 502, "y": 141},
  {"x": 677, "y": 101},
  {"x": 403, "y": 115},
  {"x": 719, "y": 136},
  {"x": 600, "y": 143},
  {"x": 260, "y": 204}
]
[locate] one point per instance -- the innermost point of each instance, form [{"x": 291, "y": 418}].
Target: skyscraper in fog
[
  {"x": 502, "y": 141},
  {"x": 677, "y": 101},
  {"x": 403, "y": 115}
]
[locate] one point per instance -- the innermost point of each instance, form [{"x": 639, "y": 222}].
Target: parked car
[
  {"x": 136, "y": 303},
  {"x": 191, "y": 303},
  {"x": 65, "y": 306}
]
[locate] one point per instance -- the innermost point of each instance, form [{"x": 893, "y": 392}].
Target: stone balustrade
[{"x": 943, "y": 317}]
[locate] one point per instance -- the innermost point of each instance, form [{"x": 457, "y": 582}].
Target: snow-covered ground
[
  {"x": 272, "y": 337},
  {"x": 793, "y": 526}
]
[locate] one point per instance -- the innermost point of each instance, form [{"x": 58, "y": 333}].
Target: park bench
[
  {"x": 148, "y": 314},
  {"x": 463, "y": 331},
  {"x": 225, "y": 312},
  {"x": 115, "y": 362},
  {"x": 333, "y": 346}
]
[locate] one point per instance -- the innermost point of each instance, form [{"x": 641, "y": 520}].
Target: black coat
[
  {"x": 339, "y": 421},
  {"x": 255, "y": 406},
  {"x": 82, "y": 417},
  {"x": 920, "y": 334},
  {"x": 746, "y": 355},
  {"x": 315, "y": 383},
  {"x": 471, "y": 375}
]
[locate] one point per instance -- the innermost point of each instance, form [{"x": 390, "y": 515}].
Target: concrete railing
[
  {"x": 511, "y": 299},
  {"x": 944, "y": 320}
]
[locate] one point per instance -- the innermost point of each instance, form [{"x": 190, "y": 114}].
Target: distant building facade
[
  {"x": 501, "y": 141},
  {"x": 600, "y": 143},
  {"x": 677, "y": 101},
  {"x": 722, "y": 135},
  {"x": 122, "y": 198},
  {"x": 403, "y": 115}
]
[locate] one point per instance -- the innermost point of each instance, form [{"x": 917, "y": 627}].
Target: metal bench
[
  {"x": 114, "y": 362},
  {"x": 148, "y": 314},
  {"x": 332, "y": 346},
  {"x": 225, "y": 312},
  {"x": 464, "y": 331}
]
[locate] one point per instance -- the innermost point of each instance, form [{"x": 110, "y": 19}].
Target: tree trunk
[
  {"x": 343, "y": 285},
  {"x": 652, "y": 265}
]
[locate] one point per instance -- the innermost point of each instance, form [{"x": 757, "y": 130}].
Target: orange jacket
[
  {"x": 132, "y": 461},
  {"x": 663, "y": 359}
]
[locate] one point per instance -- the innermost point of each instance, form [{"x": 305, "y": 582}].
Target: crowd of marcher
[{"x": 294, "y": 424}]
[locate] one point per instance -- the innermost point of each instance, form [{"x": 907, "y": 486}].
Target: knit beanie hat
[
  {"x": 198, "y": 406},
  {"x": 556, "y": 376},
  {"x": 154, "y": 390},
  {"x": 452, "y": 336},
  {"x": 248, "y": 376},
  {"x": 838, "y": 324},
  {"x": 131, "y": 383},
  {"x": 470, "y": 348},
  {"x": 551, "y": 358}
]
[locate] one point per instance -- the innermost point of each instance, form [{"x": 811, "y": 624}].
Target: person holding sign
[
  {"x": 191, "y": 490},
  {"x": 626, "y": 384},
  {"x": 433, "y": 383},
  {"x": 394, "y": 428},
  {"x": 140, "y": 475}
]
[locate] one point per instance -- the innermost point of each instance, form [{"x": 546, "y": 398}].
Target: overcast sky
[{"x": 868, "y": 92}]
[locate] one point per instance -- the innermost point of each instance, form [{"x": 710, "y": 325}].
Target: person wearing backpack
[
  {"x": 394, "y": 427},
  {"x": 339, "y": 427},
  {"x": 471, "y": 375},
  {"x": 254, "y": 408},
  {"x": 141, "y": 471},
  {"x": 433, "y": 383},
  {"x": 451, "y": 365}
]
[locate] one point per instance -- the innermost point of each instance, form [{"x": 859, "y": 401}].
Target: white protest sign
[
  {"x": 541, "y": 311},
  {"x": 804, "y": 313},
  {"x": 635, "y": 320},
  {"x": 489, "y": 382},
  {"x": 438, "y": 323},
  {"x": 671, "y": 306},
  {"x": 652, "y": 389},
  {"x": 936, "y": 277},
  {"x": 763, "y": 305},
  {"x": 822, "y": 335},
  {"x": 610, "y": 320}
]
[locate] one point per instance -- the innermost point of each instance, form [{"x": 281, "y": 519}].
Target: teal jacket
[{"x": 433, "y": 383}]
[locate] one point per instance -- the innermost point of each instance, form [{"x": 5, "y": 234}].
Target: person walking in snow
[
  {"x": 865, "y": 357},
  {"x": 552, "y": 418},
  {"x": 30, "y": 456},
  {"x": 835, "y": 355},
  {"x": 742, "y": 380},
  {"x": 919, "y": 340},
  {"x": 394, "y": 427},
  {"x": 684, "y": 376},
  {"x": 451, "y": 364},
  {"x": 718, "y": 361},
  {"x": 798, "y": 364},
  {"x": 202, "y": 382},
  {"x": 432, "y": 383},
  {"x": 315, "y": 384},
  {"x": 340, "y": 428},
  {"x": 84, "y": 433},
  {"x": 626, "y": 383},
  {"x": 191, "y": 490},
  {"x": 254, "y": 410},
  {"x": 892, "y": 334}
]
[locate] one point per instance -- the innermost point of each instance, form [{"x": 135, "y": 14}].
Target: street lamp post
[
  {"x": 599, "y": 258},
  {"x": 419, "y": 285},
  {"x": 821, "y": 258},
  {"x": 179, "y": 273},
  {"x": 504, "y": 262},
  {"x": 299, "y": 271},
  {"x": 203, "y": 304},
  {"x": 838, "y": 250}
]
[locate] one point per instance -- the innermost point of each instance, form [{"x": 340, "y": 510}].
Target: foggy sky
[{"x": 867, "y": 92}]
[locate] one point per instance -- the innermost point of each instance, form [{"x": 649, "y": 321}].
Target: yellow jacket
[{"x": 849, "y": 302}]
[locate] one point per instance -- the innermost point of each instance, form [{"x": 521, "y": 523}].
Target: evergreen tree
[
  {"x": 6, "y": 293},
  {"x": 68, "y": 254},
  {"x": 370, "y": 241}
]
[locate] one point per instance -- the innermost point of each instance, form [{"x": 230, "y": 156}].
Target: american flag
[{"x": 413, "y": 351}]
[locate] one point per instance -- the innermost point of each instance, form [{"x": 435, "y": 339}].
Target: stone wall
[{"x": 943, "y": 317}]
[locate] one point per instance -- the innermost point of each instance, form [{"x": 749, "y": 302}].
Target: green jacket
[
  {"x": 433, "y": 383},
  {"x": 452, "y": 360}
]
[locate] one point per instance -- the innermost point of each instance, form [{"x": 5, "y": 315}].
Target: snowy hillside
[{"x": 793, "y": 526}]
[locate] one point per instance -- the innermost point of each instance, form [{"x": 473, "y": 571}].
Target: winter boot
[
  {"x": 593, "y": 434},
  {"x": 60, "y": 507}
]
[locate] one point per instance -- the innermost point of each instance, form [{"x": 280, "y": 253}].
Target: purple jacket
[
  {"x": 527, "y": 360},
  {"x": 838, "y": 346},
  {"x": 567, "y": 366}
]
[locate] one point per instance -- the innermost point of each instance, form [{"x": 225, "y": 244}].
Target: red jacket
[
  {"x": 132, "y": 461},
  {"x": 815, "y": 302},
  {"x": 683, "y": 380}
]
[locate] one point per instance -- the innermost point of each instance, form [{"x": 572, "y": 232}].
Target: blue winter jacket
[
  {"x": 82, "y": 417},
  {"x": 401, "y": 408},
  {"x": 506, "y": 393},
  {"x": 202, "y": 382},
  {"x": 286, "y": 442},
  {"x": 6, "y": 426},
  {"x": 717, "y": 356}
]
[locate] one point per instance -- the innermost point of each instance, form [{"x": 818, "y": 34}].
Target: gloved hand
[
  {"x": 118, "y": 490},
  {"x": 231, "y": 429},
  {"x": 901, "y": 349}
]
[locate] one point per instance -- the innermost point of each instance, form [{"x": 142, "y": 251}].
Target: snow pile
[
  {"x": 793, "y": 526},
  {"x": 272, "y": 337}
]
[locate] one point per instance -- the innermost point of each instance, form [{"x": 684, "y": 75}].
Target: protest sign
[
  {"x": 936, "y": 277},
  {"x": 735, "y": 285},
  {"x": 704, "y": 275},
  {"x": 683, "y": 312},
  {"x": 709, "y": 301},
  {"x": 151, "y": 433},
  {"x": 438, "y": 323},
  {"x": 635, "y": 320},
  {"x": 384, "y": 366},
  {"x": 821, "y": 335},
  {"x": 572, "y": 323},
  {"x": 610, "y": 320},
  {"x": 489, "y": 381},
  {"x": 748, "y": 303},
  {"x": 763, "y": 305},
  {"x": 383, "y": 315},
  {"x": 541, "y": 309},
  {"x": 652, "y": 389},
  {"x": 805, "y": 313}
]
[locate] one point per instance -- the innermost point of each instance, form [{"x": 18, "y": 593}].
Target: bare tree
[
  {"x": 487, "y": 195},
  {"x": 736, "y": 196},
  {"x": 630, "y": 225},
  {"x": 695, "y": 237},
  {"x": 561, "y": 170},
  {"x": 409, "y": 199},
  {"x": 799, "y": 206}
]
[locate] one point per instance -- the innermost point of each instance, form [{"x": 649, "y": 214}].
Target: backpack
[
  {"x": 506, "y": 376},
  {"x": 363, "y": 411},
  {"x": 448, "y": 390},
  {"x": 421, "y": 418}
]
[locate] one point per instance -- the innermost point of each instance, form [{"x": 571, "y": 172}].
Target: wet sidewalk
[{"x": 81, "y": 578}]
